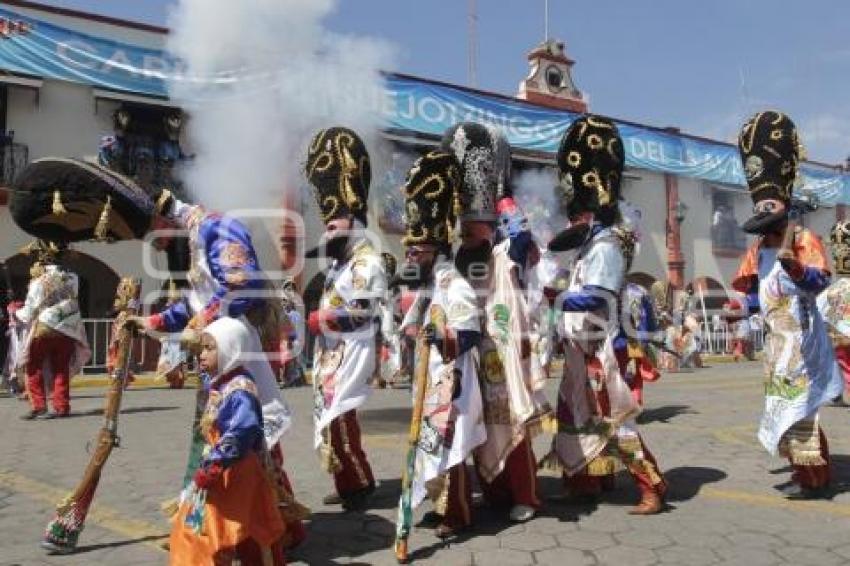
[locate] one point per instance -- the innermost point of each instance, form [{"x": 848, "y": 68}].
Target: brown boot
[{"x": 650, "y": 504}]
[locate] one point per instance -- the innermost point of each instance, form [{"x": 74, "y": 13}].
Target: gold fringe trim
[
  {"x": 549, "y": 424},
  {"x": 551, "y": 462},
  {"x": 603, "y": 466},
  {"x": 101, "y": 231},
  {"x": 807, "y": 459},
  {"x": 58, "y": 208}
]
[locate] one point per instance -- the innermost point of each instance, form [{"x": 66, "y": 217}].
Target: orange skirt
[{"x": 240, "y": 508}]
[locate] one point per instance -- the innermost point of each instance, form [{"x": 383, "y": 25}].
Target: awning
[
  {"x": 120, "y": 96},
  {"x": 22, "y": 81},
  {"x": 414, "y": 109}
]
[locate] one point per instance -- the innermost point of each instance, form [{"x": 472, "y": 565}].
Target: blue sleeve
[
  {"x": 234, "y": 265},
  {"x": 175, "y": 317},
  {"x": 239, "y": 422},
  {"x": 647, "y": 321},
  {"x": 466, "y": 340},
  {"x": 590, "y": 298},
  {"x": 814, "y": 280}
]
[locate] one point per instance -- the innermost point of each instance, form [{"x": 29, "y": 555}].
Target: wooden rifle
[{"x": 64, "y": 530}]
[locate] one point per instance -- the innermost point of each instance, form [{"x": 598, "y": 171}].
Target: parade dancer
[
  {"x": 833, "y": 302},
  {"x": 225, "y": 280},
  {"x": 639, "y": 339},
  {"x": 787, "y": 267},
  {"x": 445, "y": 309},
  {"x": 56, "y": 339},
  {"x": 229, "y": 510},
  {"x": 509, "y": 372},
  {"x": 596, "y": 411},
  {"x": 347, "y": 321}
]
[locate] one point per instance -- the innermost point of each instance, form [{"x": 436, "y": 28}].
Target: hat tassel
[
  {"x": 102, "y": 228},
  {"x": 58, "y": 208}
]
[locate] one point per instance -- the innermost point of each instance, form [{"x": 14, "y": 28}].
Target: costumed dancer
[
  {"x": 510, "y": 375},
  {"x": 228, "y": 512},
  {"x": 56, "y": 339},
  {"x": 171, "y": 365},
  {"x": 225, "y": 280},
  {"x": 787, "y": 267},
  {"x": 445, "y": 309},
  {"x": 834, "y": 302},
  {"x": 662, "y": 297},
  {"x": 292, "y": 338},
  {"x": 346, "y": 322},
  {"x": 15, "y": 332},
  {"x": 639, "y": 339},
  {"x": 737, "y": 319},
  {"x": 389, "y": 357},
  {"x": 596, "y": 411}
]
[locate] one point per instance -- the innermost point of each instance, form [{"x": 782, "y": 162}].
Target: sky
[{"x": 703, "y": 67}]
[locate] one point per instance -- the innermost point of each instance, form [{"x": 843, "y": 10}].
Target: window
[{"x": 727, "y": 238}]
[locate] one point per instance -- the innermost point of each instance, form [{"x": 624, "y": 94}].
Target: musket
[
  {"x": 404, "y": 519},
  {"x": 64, "y": 530}
]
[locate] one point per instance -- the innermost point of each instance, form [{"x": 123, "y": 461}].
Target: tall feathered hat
[
  {"x": 339, "y": 171},
  {"x": 591, "y": 159},
  {"x": 69, "y": 200},
  {"x": 483, "y": 154},
  {"x": 431, "y": 193},
  {"x": 770, "y": 152},
  {"x": 839, "y": 242}
]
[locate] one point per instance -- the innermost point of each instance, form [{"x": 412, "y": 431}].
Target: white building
[{"x": 90, "y": 65}]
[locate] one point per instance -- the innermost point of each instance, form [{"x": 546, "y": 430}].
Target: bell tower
[{"x": 549, "y": 81}]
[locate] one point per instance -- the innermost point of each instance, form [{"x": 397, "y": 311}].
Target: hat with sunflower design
[{"x": 590, "y": 159}]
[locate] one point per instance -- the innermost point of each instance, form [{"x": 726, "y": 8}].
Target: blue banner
[
  {"x": 425, "y": 107},
  {"x": 55, "y": 52}
]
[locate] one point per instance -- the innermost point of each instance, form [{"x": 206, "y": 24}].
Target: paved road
[{"x": 723, "y": 506}]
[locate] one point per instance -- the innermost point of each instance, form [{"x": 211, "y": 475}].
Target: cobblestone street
[{"x": 723, "y": 507}]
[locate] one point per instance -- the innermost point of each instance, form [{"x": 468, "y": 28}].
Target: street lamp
[{"x": 681, "y": 211}]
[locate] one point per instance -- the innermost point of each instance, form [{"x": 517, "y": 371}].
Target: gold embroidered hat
[
  {"x": 591, "y": 159},
  {"x": 770, "y": 152},
  {"x": 339, "y": 171},
  {"x": 839, "y": 242},
  {"x": 431, "y": 193},
  {"x": 477, "y": 151},
  {"x": 70, "y": 200}
]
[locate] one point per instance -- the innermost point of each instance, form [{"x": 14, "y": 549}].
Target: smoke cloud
[
  {"x": 534, "y": 189},
  {"x": 259, "y": 78}
]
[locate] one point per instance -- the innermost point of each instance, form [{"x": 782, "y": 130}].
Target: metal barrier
[
  {"x": 98, "y": 330},
  {"x": 718, "y": 339}
]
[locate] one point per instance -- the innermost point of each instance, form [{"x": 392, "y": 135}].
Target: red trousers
[
  {"x": 814, "y": 477},
  {"x": 354, "y": 473},
  {"x": 55, "y": 349},
  {"x": 585, "y": 484},
  {"x": 457, "y": 491},
  {"x": 645, "y": 472},
  {"x": 517, "y": 483},
  {"x": 842, "y": 356}
]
